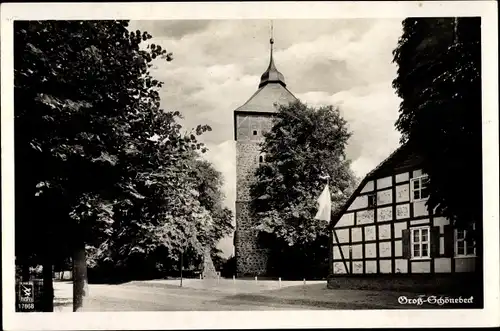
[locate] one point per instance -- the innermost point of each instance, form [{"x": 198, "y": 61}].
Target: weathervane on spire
[
  {"x": 271, "y": 40},
  {"x": 272, "y": 34},
  {"x": 271, "y": 74}
]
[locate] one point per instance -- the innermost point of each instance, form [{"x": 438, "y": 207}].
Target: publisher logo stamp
[
  {"x": 26, "y": 295},
  {"x": 435, "y": 300}
]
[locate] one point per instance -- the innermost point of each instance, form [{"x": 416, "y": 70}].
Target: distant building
[
  {"x": 251, "y": 120},
  {"x": 385, "y": 227}
]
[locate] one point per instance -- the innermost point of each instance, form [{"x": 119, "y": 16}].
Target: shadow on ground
[{"x": 319, "y": 296}]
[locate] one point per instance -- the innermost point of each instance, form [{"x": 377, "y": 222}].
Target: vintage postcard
[{"x": 249, "y": 165}]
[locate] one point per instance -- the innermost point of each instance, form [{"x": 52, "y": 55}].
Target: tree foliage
[
  {"x": 97, "y": 159},
  {"x": 228, "y": 268},
  {"x": 303, "y": 145},
  {"x": 439, "y": 82},
  {"x": 209, "y": 187}
]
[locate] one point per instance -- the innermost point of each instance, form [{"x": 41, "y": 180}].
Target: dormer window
[{"x": 255, "y": 132}]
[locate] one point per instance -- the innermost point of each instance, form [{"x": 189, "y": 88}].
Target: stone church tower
[{"x": 250, "y": 121}]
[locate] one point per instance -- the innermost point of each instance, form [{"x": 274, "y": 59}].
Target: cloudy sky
[{"x": 217, "y": 67}]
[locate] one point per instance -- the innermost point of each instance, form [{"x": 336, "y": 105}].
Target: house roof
[{"x": 401, "y": 159}]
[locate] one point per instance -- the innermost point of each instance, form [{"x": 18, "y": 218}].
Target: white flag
[{"x": 325, "y": 205}]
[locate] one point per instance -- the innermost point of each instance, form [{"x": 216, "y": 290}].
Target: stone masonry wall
[{"x": 250, "y": 259}]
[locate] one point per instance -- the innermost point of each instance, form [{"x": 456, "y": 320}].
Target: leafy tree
[
  {"x": 98, "y": 163},
  {"x": 303, "y": 145},
  {"x": 149, "y": 231},
  {"x": 210, "y": 196},
  {"x": 194, "y": 209},
  {"x": 218, "y": 259},
  {"x": 439, "y": 82},
  {"x": 209, "y": 188}
]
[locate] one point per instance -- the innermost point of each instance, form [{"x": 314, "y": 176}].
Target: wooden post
[
  {"x": 181, "y": 265},
  {"x": 279, "y": 281},
  {"x": 330, "y": 252}
]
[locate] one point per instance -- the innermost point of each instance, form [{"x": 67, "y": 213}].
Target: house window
[
  {"x": 372, "y": 200},
  {"x": 255, "y": 132},
  {"x": 420, "y": 241},
  {"x": 419, "y": 190},
  {"x": 463, "y": 247}
]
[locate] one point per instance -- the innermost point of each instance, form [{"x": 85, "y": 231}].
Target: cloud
[
  {"x": 171, "y": 29},
  {"x": 217, "y": 67}
]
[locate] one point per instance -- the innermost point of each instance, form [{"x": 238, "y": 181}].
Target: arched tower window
[{"x": 262, "y": 158}]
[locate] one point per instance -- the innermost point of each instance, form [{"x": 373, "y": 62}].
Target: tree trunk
[
  {"x": 80, "y": 284},
  {"x": 48, "y": 288},
  {"x": 25, "y": 272}
]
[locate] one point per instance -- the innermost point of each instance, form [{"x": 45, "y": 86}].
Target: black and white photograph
[{"x": 250, "y": 158}]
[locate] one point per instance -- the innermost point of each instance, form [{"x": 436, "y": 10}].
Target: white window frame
[
  {"x": 420, "y": 242},
  {"x": 412, "y": 188},
  {"x": 463, "y": 242}
]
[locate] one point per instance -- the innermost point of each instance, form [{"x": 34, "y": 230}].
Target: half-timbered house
[{"x": 385, "y": 228}]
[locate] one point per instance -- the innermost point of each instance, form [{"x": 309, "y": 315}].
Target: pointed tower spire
[
  {"x": 272, "y": 75},
  {"x": 271, "y": 41}
]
